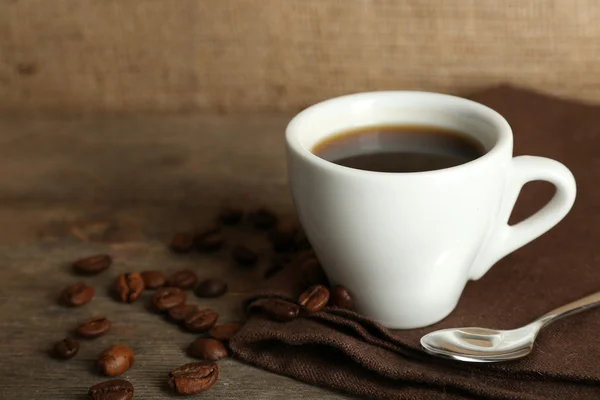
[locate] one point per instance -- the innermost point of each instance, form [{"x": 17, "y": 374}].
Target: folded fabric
[{"x": 342, "y": 350}]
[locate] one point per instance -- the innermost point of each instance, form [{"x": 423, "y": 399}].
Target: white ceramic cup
[{"x": 405, "y": 244}]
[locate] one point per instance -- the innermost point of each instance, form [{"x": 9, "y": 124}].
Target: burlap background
[{"x": 223, "y": 55}]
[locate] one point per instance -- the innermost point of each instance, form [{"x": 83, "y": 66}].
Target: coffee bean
[
  {"x": 115, "y": 360},
  {"x": 207, "y": 349},
  {"x": 263, "y": 218},
  {"x": 231, "y": 215},
  {"x": 153, "y": 279},
  {"x": 244, "y": 255},
  {"x": 129, "y": 287},
  {"x": 201, "y": 320},
  {"x": 224, "y": 332},
  {"x": 312, "y": 273},
  {"x": 92, "y": 265},
  {"x": 182, "y": 311},
  {"x": 66, "y": 348},
  {"x": 183, "y": 279},
  {"x": 278, "y": 262},
  {"x": 194, "y": 377},
  {"x": 93, "y": 327},
  {"x": 182, "y": 242},
  {"x": 116, "y": 389},
  {"x": 168, "y": 297},
  {"x": 77, "y": 294},
  {"x": 210, "y": 240},
  {"x": 283, "y": 235},
  {"x": 314, "y": 299},
  {"x": 276, "y": 309},
  {"x": 339, "y": 297},
  {"x": 211, "y": 288}
]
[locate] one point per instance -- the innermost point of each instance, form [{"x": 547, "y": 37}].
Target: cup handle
[{"x": 504, "y": 238}]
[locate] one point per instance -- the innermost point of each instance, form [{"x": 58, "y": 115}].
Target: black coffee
[{"x": 400, "y": 148}]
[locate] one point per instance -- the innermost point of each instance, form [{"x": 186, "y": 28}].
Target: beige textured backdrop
[{"x": 223, "y": 55}]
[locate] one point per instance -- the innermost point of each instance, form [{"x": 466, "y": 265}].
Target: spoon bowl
[
  {"x": 491, "y": 345},
  {"x": 481, "y": 344}
]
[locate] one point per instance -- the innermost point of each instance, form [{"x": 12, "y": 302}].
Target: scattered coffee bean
[
  {"x": 194, "y": 377},
  {"x": 314, "y": 299},
  {"x": 231, "y": 215},
  {"x": 283, "y": 235},
  {"x": 224, "y": 332},
  {"x": 129, "y": 287},
  {"x": 207, "y": 349},
  {"x": 276, "y": 309},
  {"x": 182, "y": 242},
  {"x": 183, "y": 279},
  {"x": 211, "y": 288},
  {"x": 181, "y": 312},
  {"x": 210, "y": 240},
  {"x": 201, "y": 320},
  {"x": 312, "y": 273},
  {"x": 93, "y": 327},
  {"x": 168, "y": 297},
  {"x": 153, "y": 279},
  {"x": 263, "y": 218},
  {"x": 244, "y": 255},
  {"x": 77, "y": 294},
  {"x": 92, "y": 265},
  {"x": 278, "y": 262},
  {"x": 116, "y": 389},
  {"x": 115, "y": 360},
  {"x": 66, "y": 348},
  {"x": 339, "y": 297}
]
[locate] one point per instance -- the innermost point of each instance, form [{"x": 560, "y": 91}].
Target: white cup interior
[{"x": 331, "y": 117}]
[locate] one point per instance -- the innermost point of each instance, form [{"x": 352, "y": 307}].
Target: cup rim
[{"x": 293, "y": 132}]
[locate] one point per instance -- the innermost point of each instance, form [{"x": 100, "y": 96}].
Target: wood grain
[
  {"x": 72, "y": 188},
  {"x": 80, "y": 56}
]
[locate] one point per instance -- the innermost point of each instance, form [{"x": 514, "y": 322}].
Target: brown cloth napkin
[{"x": 342, "y": 350}]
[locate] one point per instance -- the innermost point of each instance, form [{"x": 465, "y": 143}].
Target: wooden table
[{"x": 122, "y": 185}]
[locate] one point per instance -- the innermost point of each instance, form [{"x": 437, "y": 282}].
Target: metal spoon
[{"x": 489, "y": 345}]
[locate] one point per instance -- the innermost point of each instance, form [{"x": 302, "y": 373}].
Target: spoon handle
[{"x": 575, "y": 307}]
